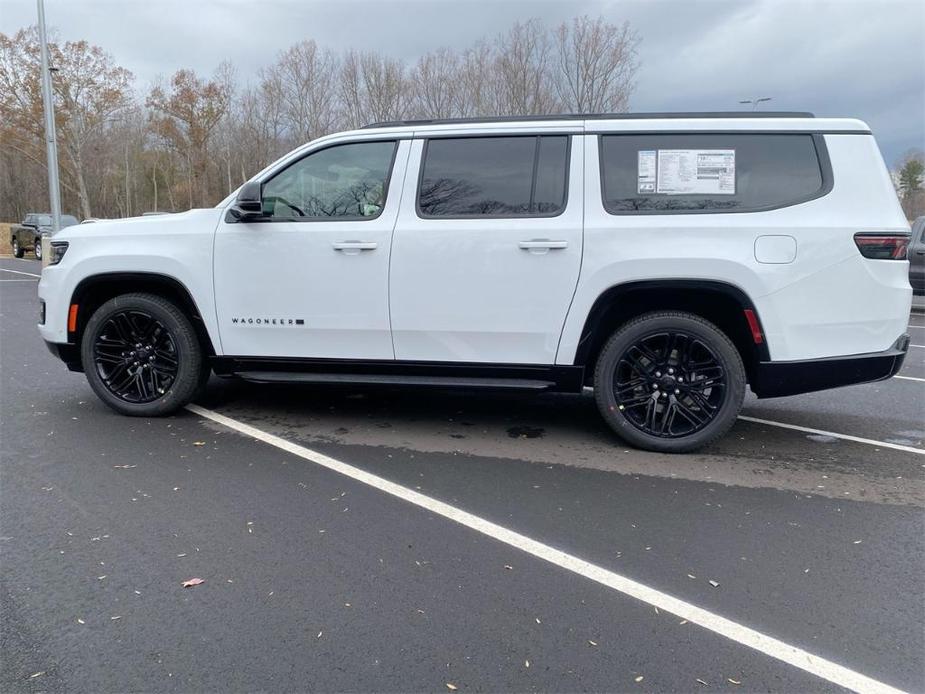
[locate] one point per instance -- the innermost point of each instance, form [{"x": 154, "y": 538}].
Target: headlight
[{"x": 58, "y": 249}]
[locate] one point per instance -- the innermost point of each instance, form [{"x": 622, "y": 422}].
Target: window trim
[
  {"x": 351, "y": 218},
  {"x": 822, "y": 156},
  {"x": 565, "y": 193}
]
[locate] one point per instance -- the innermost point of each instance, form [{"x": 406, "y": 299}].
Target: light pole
[
  {"x": 755, "y": 102},
  {"x": 54, "y": 191}
]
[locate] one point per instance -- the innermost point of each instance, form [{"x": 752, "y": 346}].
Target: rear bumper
[
  {"x": 774, "y": 379},
  {"x": 67, "y": 353}
]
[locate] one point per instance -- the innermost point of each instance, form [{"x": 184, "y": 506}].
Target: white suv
[{"x": 665, "y": 260}]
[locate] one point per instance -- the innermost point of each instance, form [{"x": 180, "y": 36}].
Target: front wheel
[
  {"x": 18, "y": 251},
  {"x": 37, "y": 248},
  {"x": 670, "y": 382},
  {"x": 142, "y": 356}
]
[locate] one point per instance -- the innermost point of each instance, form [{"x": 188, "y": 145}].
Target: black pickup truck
[{"x": 28, "y": 235}]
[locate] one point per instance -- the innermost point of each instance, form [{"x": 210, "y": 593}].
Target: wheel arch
[
  {"x": 722, "y": 303},
  {"x": 93, "y": 291}
]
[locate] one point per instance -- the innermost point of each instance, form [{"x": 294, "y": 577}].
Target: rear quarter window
[{"x": 734, "y": 172}]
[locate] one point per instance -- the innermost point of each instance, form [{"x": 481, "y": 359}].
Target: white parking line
[
  {"x": 17, "y": 272},
  {"x": 18, "y": 280},
  {"x": 919, "y": 346},
  {"x": 739, "y": 633},
  {"x": 910, "y": 378},
  {"x": 835, "y": 435}
]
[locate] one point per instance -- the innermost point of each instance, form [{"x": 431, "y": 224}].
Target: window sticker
[
  {"x": 647, "y": 168},
  {"x": 696, "y": 172}
]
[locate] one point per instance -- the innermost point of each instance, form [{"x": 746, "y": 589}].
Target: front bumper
[
  {"x": 66, "y": 352},
  {"x": 774, "y": 379}
]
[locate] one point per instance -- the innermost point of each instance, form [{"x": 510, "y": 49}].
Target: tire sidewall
[
  {"x": 722, "y": 347},
  {"x": 37, "y": 248},
  {"x": 189, "y": 355}
]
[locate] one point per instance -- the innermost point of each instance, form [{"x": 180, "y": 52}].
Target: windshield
[{"x": 43, "y": 220}]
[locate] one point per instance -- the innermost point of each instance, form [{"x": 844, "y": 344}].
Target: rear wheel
[
  {"x": 669, "y": 382},
  {"x": 37, "y": 249},
  {"x": 18, "y": 251},
  {"x": 142, "y": 356}
]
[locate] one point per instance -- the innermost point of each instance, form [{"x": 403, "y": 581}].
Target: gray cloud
[{"x": 853, "y": 58}]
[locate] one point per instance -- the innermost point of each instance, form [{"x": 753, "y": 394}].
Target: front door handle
[
  {"x": 354, "y": 247},
  {"x": 541, "y": 246}
]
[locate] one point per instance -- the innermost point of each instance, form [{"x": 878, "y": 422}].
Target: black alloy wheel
[
  {"x": 135, "y": 356},
  {"x": 142, "y": 356},
  {"x": 669, "y": 382}
]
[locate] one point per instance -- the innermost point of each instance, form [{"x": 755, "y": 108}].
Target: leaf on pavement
[
  {"x": 729, "y": 679},
  {"x": 592, "y": 643},
  {"x": 714, "y": 584},
  {"x": 452, "y": 687},
  {"x": 190, "y": 583},
  {"x": 639, "y": 679},
  {"x": 199, "y": 443}
]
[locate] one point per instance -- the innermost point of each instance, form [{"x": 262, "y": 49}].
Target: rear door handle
[
  {"x": 542, "y": 245},
  {"x": 354, "y": 247}
]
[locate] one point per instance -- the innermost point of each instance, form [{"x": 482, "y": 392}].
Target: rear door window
[
  {"x": 691, "y": 173},
  {"x": 521, "y": 176}
]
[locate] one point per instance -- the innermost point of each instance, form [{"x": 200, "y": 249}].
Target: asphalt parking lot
[{"x": 386, "y": 540}]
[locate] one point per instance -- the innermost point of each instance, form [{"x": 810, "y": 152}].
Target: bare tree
[
  {"x": 523, "y": 70},
  {"x": 596, "y": 65},
  {"x": 305, "y": 76},
  {"x": 435, "y": 85},
  {"x": 89, "y": 88}
]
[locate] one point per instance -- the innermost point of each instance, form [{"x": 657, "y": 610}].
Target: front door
[
  {"x": 487, "y": 248},
  {"x": 309, "y": 279}
]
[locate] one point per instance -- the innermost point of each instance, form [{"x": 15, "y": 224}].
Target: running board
[{"x": 395, "y": 380}]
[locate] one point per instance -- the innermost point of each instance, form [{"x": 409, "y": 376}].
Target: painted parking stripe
[
  {"x": 29, "y": 280},
  {"x": 910, "y": 378},
  {"x": 826, "y": 669},
  {"x": 835, "y": 435},
  {"x": 18, "y": 272},
  {"x": 919, "y": 346}
]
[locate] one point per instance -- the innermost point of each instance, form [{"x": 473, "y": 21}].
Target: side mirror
[{"x": 249, "y": 202}]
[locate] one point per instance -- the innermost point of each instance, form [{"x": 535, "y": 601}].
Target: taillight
[{"x": 882, "y": 246}]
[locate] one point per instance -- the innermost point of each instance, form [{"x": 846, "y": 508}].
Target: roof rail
[{"x": 594, "y": 116}]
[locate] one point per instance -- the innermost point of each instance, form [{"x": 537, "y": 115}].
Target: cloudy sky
[{"x": 862, "y": 58}]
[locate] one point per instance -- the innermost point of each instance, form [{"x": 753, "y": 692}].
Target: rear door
[{"x": 487, "y": 248}]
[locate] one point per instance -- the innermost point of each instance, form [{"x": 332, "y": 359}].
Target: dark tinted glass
[
  {"x": 549, "y": 194},
  {"x": 344, "y": 181},
  {"x": 482, "y": 176},
  {"x": 770, "y": 171}
]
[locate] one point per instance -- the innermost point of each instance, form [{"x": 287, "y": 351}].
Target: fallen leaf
[
  {"x": 538, "y": 620},
  {"x": 508, "y": 567},
  {"x": 714, "y": 584},
  {"x": 593, "y": 643},
  {"x": 193, "y": 582},
  {"x": 451, "y": 687},
  {"x": 80, "y": 621},
  {"x": 36, "y": 674},
  {"x": 729, "y": 679},
  {"x": 702, "y": 682},
  {"x": 319, "y": 634},
  {"x": 118, "y": 616},
  {"x": 639, "y": 679},
  {"x": 526, "y": 663},
  {"x": 199, "y": 443},
  {"x": 857, "y": 542},
  {"x": 682, "y": 622}
]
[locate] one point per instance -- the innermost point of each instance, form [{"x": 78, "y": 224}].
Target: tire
[
  {"x": 18, "y": 251},
  {"x": 141, "y": 355},
  {"x": 670, "y": 382},
  {"x": 37, "y": 248}
]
